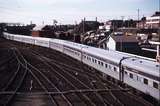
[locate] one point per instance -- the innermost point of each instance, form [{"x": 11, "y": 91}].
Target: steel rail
[
  {"x": 7, "y": 102},
  {"x": 69, "y": 91},
  {"x": 52, "y": 99}
]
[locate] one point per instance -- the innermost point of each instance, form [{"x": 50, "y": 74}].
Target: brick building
[{"x": 42, "y": 31}]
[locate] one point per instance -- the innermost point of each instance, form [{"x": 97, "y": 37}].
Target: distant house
[
  {"x": 153, "y": 21},
  {"x": 42, "y": 31},
  {"x": 120, "y": 43},
  {"x": 150, "y": 22},
  {"x": 37, "y": 30},
  {"x": 106, "y": 26}
]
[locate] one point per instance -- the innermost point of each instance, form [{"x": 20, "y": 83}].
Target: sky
[{"x": 73, "y": 11}]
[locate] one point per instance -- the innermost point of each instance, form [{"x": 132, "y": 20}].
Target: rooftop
[
  {"x": 124, "y": 38},
  {"x": 38, "y": 27},
  {"x": 157, "y": 13}
]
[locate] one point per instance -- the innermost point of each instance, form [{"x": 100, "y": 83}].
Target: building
[
  {"x": 150, "y": 22},
  {"x": 153, "y": 21},
  {"x": 42, "y": 31},
  {"x": 142, "y": 23},
  {"x": 144, "y": 35},
  {"x": 156, "y": 41},
  {"x": 106, "y": 26},
  {"x": 120, "y": 42},
  {"x": 37, "y": 31},
  {"x": 114, "y": 25}
]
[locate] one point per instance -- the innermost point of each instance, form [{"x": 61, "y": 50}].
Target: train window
[
  {"x": 145, "y": 81},
  {"x": 101, "y": 63},
  {"x": 109, "y": 67},
  {"x": 131, "y": 75},
  {"x": 92, "y": 60},
  {"x": 125, "y": 72},
  {"x": 95, "y": 61},
  {"x": 106, "y": 65},
  {"x": 155, "y": 85},
  {"x": 115, "y": 69}
]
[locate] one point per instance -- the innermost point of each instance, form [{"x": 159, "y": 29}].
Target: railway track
[
  {"x": 13, "y": 84},
  {"x": 45, "y": 83},
  {"x": 5, "y": 70},
  {"x": 67, "y": 71},
  {"x": 62, "y": 79}
]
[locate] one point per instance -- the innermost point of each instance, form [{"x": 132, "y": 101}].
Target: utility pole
[
  {"x": 31, "y": 22},
  {"x": 138, "y": 17},
  {"x": 75, "y": 22},
  {"x": 83, "y": 24},
  {"x": 158, "y": 46},
  {"x": 143, "y": 21},
  {"x": 122, "y": 20},
  {"x": 121, "y": 47},
  {"x": 159, "y": 20},
  {"x": 128, "y": 22},
  {"x": 159, "y": 5}
]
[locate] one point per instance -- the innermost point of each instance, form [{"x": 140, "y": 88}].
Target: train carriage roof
[{"x": 142, "y": 64}]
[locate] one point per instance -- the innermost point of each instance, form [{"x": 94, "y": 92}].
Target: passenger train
[{"x": 139, "y": 72}]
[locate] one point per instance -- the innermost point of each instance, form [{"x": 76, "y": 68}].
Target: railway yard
[{"x": 38, "y": 76}]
